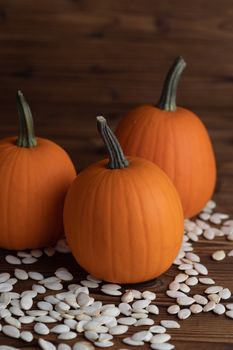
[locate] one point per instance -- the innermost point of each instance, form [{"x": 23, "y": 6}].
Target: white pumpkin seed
[
  {"x": 23, "y": 254},
  {"x": 185, "y": 300},
  {"x": 121, "y": 329},
  {"x": 111, "y": 311},
  {"x": 111, "y": 292},
  {"x": 63, "y": 274},
  {"x": 103, "y": 344},
  {"x": 37, "y": 313},
  {"x": 127, "y": 297},
  {"x": 26, "y": 302},
  {"x": 183, "y": 314},
  {"x": 173, "y": 309},
  {"x": 4, "y": 313},
  {"x": 83, "y": 345},
  {"x": 128, "y": 321},
  {"x": 12, "y": 281},
  {"x": 56, "y": 315},
  {"x": 219, "y": 255},
  {"x": 91, "y": 335},
  {"x": 26, "y": 319},
  {"x": 83, "y": 299},
  {"x": 196, "y": 308},
  {"x": 160, "y": 338},
  {"x": 204, "y": 216},
  {"x": 136, "y": 293},
  {"x": 7, "y": 347},
  {"x": 169, "y": 324},
  {"x": 219, "y": 309},
  {"x": 45, "y": 319},
  {"x": 61, "y": 328},
  {"x": 200, "y": 299},
  {"x": 184, "y": 267},
  {"x": 41, "y": 328},
  {"x": 111, "y": 286},
  {"x": 89, "y": 284},
  {"x": 192, "y": 236},
  {"x": 4, "y": 276},
  {"x": 184, "y": 288},
  {"x": 153, "y": 309},
  {"x": 229, "y": 306},
  {"x": 5, "y": 287},
  {"x": 175, "y": 294},
  {"x": 230, "y": 253},
  {"x": 36, "y": 253},
  {"x": 191, "y": 272},
  {"x": 215, "y": 219},
  {"x": 157, "y": 329},
  {"x": 11, "y": 331},
  {"x": 201, "y": 269},
  {"x": 214, "y": 297},
  {"x": 36, "y": 276},
  {"x": 229, "y": 313},
  {"x": 62, "y": 307},
  {"x": 38, "y": 288},
  {"x": 148, "y": 295},
  {"x": 202, "y": 224},
  {"x": 209, "y": 306},
  {"x": 53, "y": 286},
  {"x": 213, "y": 289},
  {"x": 209, "y": 234},
  {"x": 230, "y": 238},
  {"x": 26, "y": 336},
  {"x": 105, "y": 337},
  {"x": 225, "y": 294},
  {"x": 206, "y": 280},
  {"x": 142, "y": 336},
  {"x": 62, "y": 346},
  {"x": 181, "y": 277},
  {"x": 125, "y": 309},
  {"x": 12, "y": 321},
  {"x": 30, "y": 260},
  {"x": 16, "y": 311},
  {"x": 193, "y": 257},
  {"x": 174, "y": 285},
  {"x": 130, "y": 341},
  {"x": 93, "y": 279},
  {"x": 67, "y": 335},
  {"x": 144, "y": 322},
  {"x": 46, "y": 345},
  {"x": 191, "y": 281},
  {"x": 11, "y": 259}
]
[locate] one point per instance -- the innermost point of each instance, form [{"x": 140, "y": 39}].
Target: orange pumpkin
[
  {"x": 35, "y": 174},
  {"x": 176, "y": 140},
  {"x": 123, "y": 218}
]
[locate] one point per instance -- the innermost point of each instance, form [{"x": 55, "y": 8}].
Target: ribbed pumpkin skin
[
  {"x": 33, "y": 185},
  {"x": 179, "y": 143},
  {"x": 124, "y": 225}
]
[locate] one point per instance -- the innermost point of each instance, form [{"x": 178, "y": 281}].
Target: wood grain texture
[{"x": 75, "y": 59}]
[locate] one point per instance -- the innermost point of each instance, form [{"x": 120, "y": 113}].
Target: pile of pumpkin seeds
[{"x": 55, "y": 305}]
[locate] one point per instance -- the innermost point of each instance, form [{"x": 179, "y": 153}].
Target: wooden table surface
[
  {"x": 78, "y": 59},
  {"x": 206, "y": 330}
]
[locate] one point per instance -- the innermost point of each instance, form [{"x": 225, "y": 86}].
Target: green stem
[
  {"x": 26, "y": 136},
  {"x": 117, "y": 159},
  {"x": 167, "y": 100}
]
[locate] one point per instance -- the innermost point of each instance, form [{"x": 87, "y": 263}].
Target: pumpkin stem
[
  {"x": 26, "y": 136},
  {"x": 167, "y": 99},
  {"x": 117, "y": 158}
]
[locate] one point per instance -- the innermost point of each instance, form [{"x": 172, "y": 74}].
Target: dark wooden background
[{"x": 75, "y": 59}]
